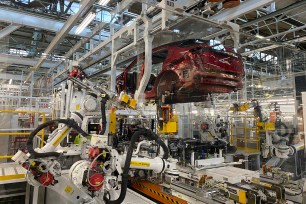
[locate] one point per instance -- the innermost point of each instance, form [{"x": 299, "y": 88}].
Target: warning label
[{"x": 143, "y": 164}]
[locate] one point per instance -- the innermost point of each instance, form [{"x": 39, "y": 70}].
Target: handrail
[
  {"x": 16, "y": 133},
  {"x": 42, "y": 132}
]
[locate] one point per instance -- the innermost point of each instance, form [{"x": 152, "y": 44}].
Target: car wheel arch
[{"x": 168, "y": 74}]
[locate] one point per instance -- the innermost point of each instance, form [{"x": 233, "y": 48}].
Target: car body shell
[{"x": 190, "y": 70}]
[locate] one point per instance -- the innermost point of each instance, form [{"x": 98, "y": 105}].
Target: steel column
[
  {"x": 304, "y": 115},
  {"x": 148, "y": 39},
  {"x": 113, "y": 62}
]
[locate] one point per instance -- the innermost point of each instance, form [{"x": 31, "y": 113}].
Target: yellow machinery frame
[
  {"x": 6, "y": 134},
  {"x": 246, "y": 139}
]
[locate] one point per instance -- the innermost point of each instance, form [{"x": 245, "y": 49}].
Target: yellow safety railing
[
  {"x": 244, "y": 133},
  {"x": 42, "y": 132}
]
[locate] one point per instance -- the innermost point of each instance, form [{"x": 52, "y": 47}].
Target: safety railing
[
  {"x": 244, "y": 133},
  {"x": 27, "y": 133}
]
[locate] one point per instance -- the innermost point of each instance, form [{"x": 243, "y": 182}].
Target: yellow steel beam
[
  {"x": 14, "y": 133},
  {"x": 43, "y": 115},
  {"x": 43, "y": 120},
  {"x": 6, "y": 157},
  {"x": 17, "y": 133},
  {"x": 12, "y": 177},
  {"x": 20, "y": 111}
]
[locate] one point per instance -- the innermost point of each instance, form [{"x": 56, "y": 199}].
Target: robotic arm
[
  {"x": 101, "y": 171},
  {"x": 95, "y": 177}
]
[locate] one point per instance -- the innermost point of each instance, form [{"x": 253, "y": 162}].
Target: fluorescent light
[
  {"x": 260, "y": 50},
  {"x": 85, "y": 22},
  {"x": 194, "y": 112},
  {"x": 44, "y": 55},
  {"x": 259, "y": 36},
  {"x": 103, "y": 2},
  {"x": 10, "y": 82}
]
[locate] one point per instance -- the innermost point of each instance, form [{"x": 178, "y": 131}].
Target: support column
[
  {"x": 28, "y": 194},
  {"x": 164, "y": 15},
  {"x": 62, "y": 104},
  {"x": 20, "y": 91},
  {"x": 113, "y": 61},
  {"x": 68, "y": 99},
  {"x": 148, "y": 39},
  {"x": 258, "y": 166},
  {"x": 31, "y": 88},
  {"x": 304, "y": 116},
  {"x": 35, "y": 195},
  {"x": 246, "y": 164},
  {"x": 235, "y": 33}
]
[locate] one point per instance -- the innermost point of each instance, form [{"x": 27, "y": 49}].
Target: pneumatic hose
[
  {"x": 69, "y": 122},
  {"x": 150, "y": 135}
]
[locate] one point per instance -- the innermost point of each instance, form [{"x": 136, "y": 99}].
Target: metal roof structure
[{"x": 38, "y": 38}]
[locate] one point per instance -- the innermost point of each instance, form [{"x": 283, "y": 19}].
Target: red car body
[{"x": 189, "y": 71}]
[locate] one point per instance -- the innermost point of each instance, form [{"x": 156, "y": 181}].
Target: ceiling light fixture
[
  {"x": 261, "y": 37},
  {"x": 103, "y": 2},
  {"x": 85, "y": 22}
]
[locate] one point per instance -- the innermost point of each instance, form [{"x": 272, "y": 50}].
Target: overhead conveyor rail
[{"x": 121, "y": 46}]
